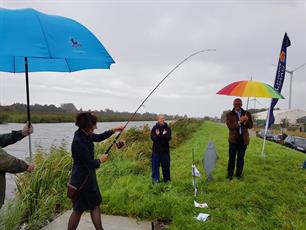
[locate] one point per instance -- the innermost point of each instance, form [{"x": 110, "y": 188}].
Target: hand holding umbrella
[{"x": 251, "y": 89}]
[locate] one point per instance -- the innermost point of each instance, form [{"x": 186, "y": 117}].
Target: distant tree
[
  {"x": 69, "y": 108},
  {"x": 207, "y": 118},
  {"x": 42, "y": 113},
  {"x": 19, "y": 107}
]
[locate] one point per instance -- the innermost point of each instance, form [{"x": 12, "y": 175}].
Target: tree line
[{"x": 17, "y": 112}]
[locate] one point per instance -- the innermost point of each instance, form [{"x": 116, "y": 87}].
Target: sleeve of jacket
[
  {"x": 167, "y": 136},
  {"x": 102, "y": 136},
  {"x": 231, "y": 121},
  {"x": 249, "y": 123},
  {"x": 154, "y": 137},
  {"x": 80, "y": 151},
  {"x": 10, "y": 138},
  {"x": 11, "y": 164}
]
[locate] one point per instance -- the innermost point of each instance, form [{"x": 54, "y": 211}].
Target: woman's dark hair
[{"x": 85, "y": 120}]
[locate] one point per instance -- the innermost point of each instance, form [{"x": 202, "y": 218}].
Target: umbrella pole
[
  {"x": 28, "y": 102},
  {"x": 247, "y": 104},
  {"x": 247, "y": 107}
]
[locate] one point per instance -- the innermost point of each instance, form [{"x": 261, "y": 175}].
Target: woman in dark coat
[{"x": 84, "y": 169}]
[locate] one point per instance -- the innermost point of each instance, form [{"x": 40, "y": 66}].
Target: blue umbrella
[{"x": 31, "y": 41}]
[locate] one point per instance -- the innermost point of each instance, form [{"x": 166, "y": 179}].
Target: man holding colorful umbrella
[{"x": 238, "y": 122}]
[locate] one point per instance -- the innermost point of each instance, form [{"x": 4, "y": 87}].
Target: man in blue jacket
[{"x": 161, "y": 136}]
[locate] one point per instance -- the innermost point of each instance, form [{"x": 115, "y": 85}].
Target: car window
[
  {"x": 300, "y": 141},
  {"x": 288, "y": 139}
]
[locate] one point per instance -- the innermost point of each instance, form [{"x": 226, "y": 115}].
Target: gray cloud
[{"x": 148, "y": 38}]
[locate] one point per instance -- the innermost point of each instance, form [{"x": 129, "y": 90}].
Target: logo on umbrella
[{"x": 75, "y": 43}]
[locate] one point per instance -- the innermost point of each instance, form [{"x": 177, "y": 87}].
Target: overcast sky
[{"x": 148, "y": 38}]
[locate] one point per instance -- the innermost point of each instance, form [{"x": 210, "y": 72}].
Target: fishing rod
[{"x": 120, "y": 144}]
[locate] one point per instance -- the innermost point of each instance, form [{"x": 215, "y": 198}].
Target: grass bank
[
  {"x": 40, "y": 195},
  {"x": 271, "y": 195}
]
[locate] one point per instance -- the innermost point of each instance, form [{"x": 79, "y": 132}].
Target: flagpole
[{"x": 278, "y": 84}]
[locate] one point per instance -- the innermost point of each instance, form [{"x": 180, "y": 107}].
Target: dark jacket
[
  {"x": 232, "y": 124},
  {"x": 161, "y": 141},
  {"x": 84, "y": 164},
  {"x": 9, "y": 163}
]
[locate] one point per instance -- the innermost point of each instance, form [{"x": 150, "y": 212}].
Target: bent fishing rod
[{"x": 120, "y": 144}]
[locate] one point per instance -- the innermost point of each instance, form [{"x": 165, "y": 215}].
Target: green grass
[
  {"x": 271, "y": 195},
  {"x": 41, "y": 195}
]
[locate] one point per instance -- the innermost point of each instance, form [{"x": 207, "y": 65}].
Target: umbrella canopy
[
  {"x": 31, "y": 41},
  {"x": 50, "y": 43},
  {"x": 250, "y": 89}
]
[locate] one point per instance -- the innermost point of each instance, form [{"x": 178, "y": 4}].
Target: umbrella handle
[{"x": 28, "y": 102}]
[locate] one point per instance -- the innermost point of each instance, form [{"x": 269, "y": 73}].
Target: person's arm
[
  {"x": 11, "y": 164},
  {"x": 154, "y": 136},
  {"x": 167, "y": 135},
  {"x": 10, "y": 138},
  {"x": 82, "y": 153},
  {"x": 231, "y": 121},
  {"x": 14, "y": 136},
  {"x": 102, "y": 136}
]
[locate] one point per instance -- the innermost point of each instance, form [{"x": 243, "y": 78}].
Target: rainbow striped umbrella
[{"x": 250, "y": 89}]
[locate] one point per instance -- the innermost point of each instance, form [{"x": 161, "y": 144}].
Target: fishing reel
[{"x": 119, "y": 144}]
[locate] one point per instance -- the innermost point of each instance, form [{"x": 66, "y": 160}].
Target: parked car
[
  {"x": 298, "y": 143},
  {"x": 261, "y": 134},
  {"x": 279, "y": 138}
]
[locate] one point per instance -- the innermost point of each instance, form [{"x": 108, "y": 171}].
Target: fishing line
[{"x": 120, "y": 144}]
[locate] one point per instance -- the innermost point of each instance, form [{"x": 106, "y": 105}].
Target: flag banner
[
  {"x": 195, "y": 171},
  {"x": 202, "y": 217},
  {"x": 280, "y": 76},
  {"x": 200, "y": 205}
]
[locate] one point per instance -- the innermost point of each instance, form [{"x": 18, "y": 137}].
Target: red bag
[{"x": 72, "y": 192}]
